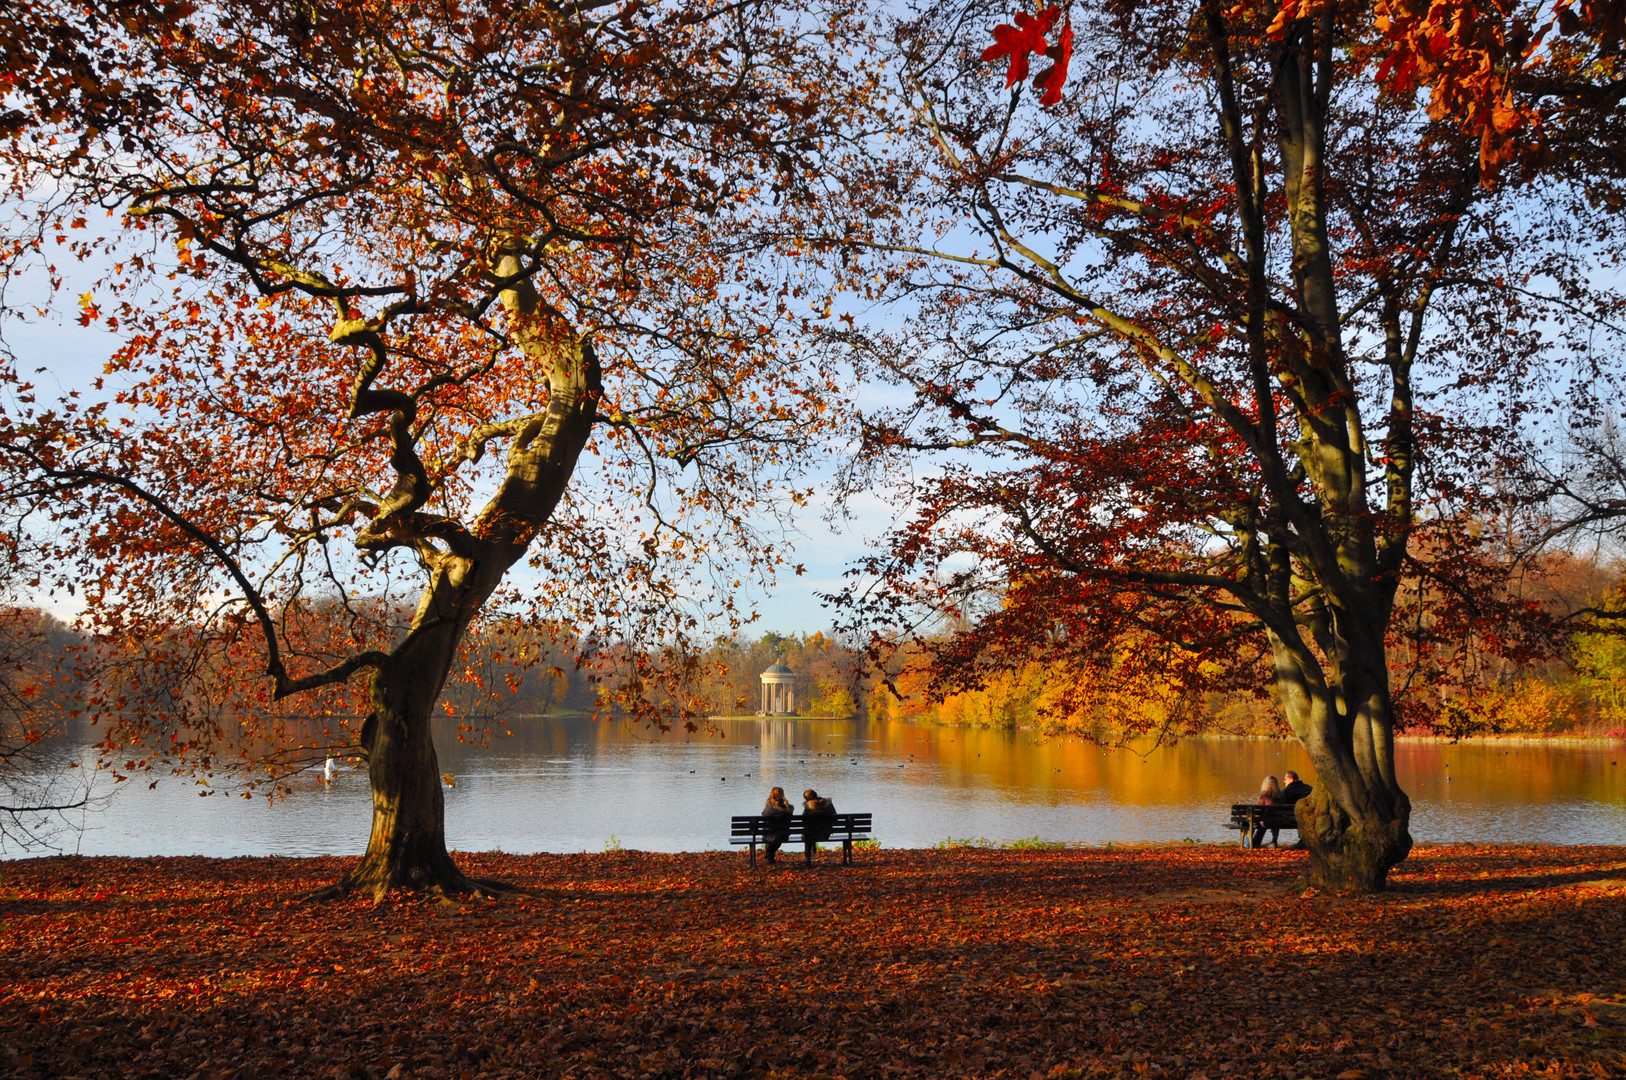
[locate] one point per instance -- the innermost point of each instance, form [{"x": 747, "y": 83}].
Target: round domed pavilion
[{"x": 778, "y": 691}]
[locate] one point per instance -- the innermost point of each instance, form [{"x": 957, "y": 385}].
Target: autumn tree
[
  {"x": 1540, "y": 85},
  {"x": 1199, "y": 355},
  {"x": 458, "y": 300}
]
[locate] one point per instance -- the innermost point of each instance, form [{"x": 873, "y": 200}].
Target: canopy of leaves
[
  {"x": 357, "y": 247},
  {"x": 1159, "y": 330}
]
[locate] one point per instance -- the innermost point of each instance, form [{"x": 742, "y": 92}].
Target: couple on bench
[{"x": 818, "y": 815}]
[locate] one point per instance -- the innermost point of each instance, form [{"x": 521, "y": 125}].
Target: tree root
[{"x": 1350, "y": 857}]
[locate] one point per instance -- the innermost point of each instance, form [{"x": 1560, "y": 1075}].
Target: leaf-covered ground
[{"x": 1182, "y": 961}]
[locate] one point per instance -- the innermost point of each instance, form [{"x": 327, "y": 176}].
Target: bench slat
[
  {"x": 1263, "y": 812},
  {"x": 1249, "y": 817},
  {"x": 841, "y": 829}
]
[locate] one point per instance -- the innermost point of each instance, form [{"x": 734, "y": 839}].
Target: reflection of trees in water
[
  {"x": 565, "y": 782},
  {"x": 42, "y": 795},
  {"x": 1516, "y": 774},
  {"x": 192, "y": 703}
]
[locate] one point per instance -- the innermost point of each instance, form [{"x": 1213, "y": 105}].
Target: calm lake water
[{"x": 569, "y": 784}]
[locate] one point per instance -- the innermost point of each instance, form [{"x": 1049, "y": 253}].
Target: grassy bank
[{"x": 1173, "y": 961}]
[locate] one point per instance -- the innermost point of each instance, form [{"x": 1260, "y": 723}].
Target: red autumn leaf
[
  {"x": 1017, "y": 42},
  {"x": 1052, "y": 78}
]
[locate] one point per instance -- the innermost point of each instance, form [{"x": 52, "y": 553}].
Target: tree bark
[
  {"x": 1336, "y": 694},
  {"x": 407, "y": 847},
  {"x": 1352, "y": 854},
  {"x": 1356, "y": 824}
]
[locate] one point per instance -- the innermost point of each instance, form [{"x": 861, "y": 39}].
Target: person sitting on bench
[
  {"x": 818, "y": 817},
  {"x": 1295, "y": 790},
  {"x": 1269, "y": 792},
  {"x": 777, "y": 831}
]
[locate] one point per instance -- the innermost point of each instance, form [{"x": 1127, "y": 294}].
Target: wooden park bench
[
  {"x": 1249, "y": 817},
  {"x": 753, "y": 828}
]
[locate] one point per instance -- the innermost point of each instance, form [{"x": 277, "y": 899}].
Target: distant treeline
[
  {"x": 512, "y": 671},
  {"x": 831, "y": 677},
  {"x": 1445, "y": 681}
]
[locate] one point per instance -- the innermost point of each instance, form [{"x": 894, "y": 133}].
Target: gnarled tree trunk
[
  {"x": 1354, "y": 854},
  {"x": 407, "y": 847},
  {"x": 1335, "y": 694},
  {"x": 1356, "y": 823}
]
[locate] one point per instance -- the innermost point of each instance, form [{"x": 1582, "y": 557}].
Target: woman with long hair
[
  {"x": 780, "y": 811},
  {"x": 1270, "y": 791}
]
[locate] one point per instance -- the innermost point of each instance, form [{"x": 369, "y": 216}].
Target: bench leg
[
  {"x": 847, "y": 852},
  {"x": 753, "y": 854}
]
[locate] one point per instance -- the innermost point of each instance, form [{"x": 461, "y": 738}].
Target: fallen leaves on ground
[{"x": 1190, "y": 961}]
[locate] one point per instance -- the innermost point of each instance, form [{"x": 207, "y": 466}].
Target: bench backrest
[
  {"x": 749, "y": 825},
  {"x": 1267, "y": 813}
]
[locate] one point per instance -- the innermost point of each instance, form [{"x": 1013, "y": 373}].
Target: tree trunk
[
  {"x": 1335, "y": 692},
  {"x": 1356, "y": 823},
  {"x": 1352, "y": 854},
  {"x": 407, "y": 848}
]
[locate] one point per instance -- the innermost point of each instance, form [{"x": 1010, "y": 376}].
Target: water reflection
[{"x": 569, "y": 784}]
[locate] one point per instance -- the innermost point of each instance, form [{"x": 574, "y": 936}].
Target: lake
[{"x": 570, "y": 784}]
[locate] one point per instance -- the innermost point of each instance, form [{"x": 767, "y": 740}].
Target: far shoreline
[{"x": 1511, "y": 738}]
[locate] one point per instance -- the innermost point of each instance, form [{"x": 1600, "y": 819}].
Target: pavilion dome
[{"x": 779, "y": 669}]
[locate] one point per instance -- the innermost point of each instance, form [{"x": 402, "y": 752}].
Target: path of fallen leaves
[{"x": 1182, "y": 961}]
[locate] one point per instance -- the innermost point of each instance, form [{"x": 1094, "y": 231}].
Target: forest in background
[
  {"x": 1572, "y": 683},
  {"x": 507, "y": 673}
]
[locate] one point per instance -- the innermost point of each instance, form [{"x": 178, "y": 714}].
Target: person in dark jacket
[
  {"x": 818, "y": 817},
  {"x": 776, "y": 831},
  {"x": 1295, "y": 790}
]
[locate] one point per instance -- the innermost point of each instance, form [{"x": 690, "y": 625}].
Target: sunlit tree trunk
[
  {"x": 1335, "y": 694},
  {"x": 1356, "y": 822},
  {"x": 407, "y": 847}
]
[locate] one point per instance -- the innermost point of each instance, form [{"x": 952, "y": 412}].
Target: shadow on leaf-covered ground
[{"x": 1177, "y": 961}]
